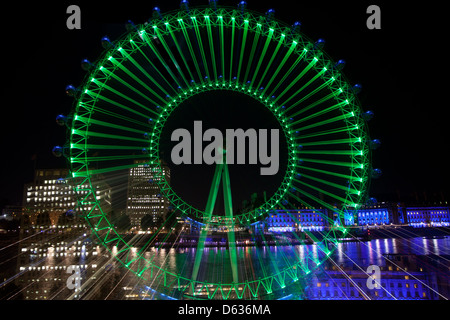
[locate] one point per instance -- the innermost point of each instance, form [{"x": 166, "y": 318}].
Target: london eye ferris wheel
[{"x": 131, "y": 93}]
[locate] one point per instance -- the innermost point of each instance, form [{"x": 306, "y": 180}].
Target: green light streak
[
  {"x": 317, "y": 200},
  {"x": 129, "y": 86},
  {"x": 153, "y": 68},
  {"x": 263, "y": 54},
  {"x": 82, "y": 121},
  {"x": 269, "y": 64},
  {"x": 211, "y": 48},
  {"x": 222, "y": 48},
  {"x": 321, "y": 190},
  {"x": 322, "y": 133},
  {"x": 301, "y": 74},
  {"x": 172, "y": 57},
  {"x": 177, "y": 45},
  {"x": 329, "y": 183},
  {"x": 329, "y": 162},
  {"x": 252, "y": 54},
  {"x": 229, "y": 214},
  {"x": 120, "y": 94},
  {"x": 280, "y": 65},
  {"x": 322, "y": 123},
  {"x": 92, "y": 172},
  {"x": 107, "y": 125},
  {"x": 111, "y": 158},
  {"x": 333, "y": 152},
  {"x": 200, "y": 45},
  {"x": 286, "y": 74},
  {"x": 330, "y": 173},
  {"x": 113, "y": 136},
  {"x": 144, "y": 72},
  {"x": 117, "y": 104},
  {"x": 315, "y": 104},
  {"x": 160, "y": 58},
  {"x": 232, "y": 49},
  {"x": 214, "y": 190},
  {"x": 191, "y": 50},
  {"x": 329, "y": 142},
  {"x": 241, "y": 56},
  {"x": 272, "y": 259}
]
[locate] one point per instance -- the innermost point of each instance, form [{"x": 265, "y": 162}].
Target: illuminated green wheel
[{"x": 130, "y": 93}]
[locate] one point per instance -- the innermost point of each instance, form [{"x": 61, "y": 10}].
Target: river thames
[{"x": 409, "y": 268}]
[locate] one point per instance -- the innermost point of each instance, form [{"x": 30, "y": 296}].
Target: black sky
[{"x": 403, "y": 69}]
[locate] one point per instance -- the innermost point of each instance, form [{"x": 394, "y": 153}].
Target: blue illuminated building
[
  {"x": 297, "y": 220},
  {"x": 394, "y": 284},
  {"x": 377, "y": 216},
  {"x": 381, "y": 214},
  {"x": 428, "y": 216}
]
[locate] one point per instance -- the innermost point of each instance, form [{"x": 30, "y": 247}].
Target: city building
[
  {"x": 53, "y": 237},
  {"x": 428, "y": 216},
  {"x": 144, "y": 196},
  {"x": 52, "y": 192},
  {"x": 297, "y": 220},
  {"x": 394, "y": 283},
  {"x": 380, "y": 214}
]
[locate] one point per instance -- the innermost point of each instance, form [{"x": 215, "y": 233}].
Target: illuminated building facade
[
  {"x": 428, "y": 216},
  {"x": 381, "y": 214},
  {"x": 53, "y": 236},
  {"x": 297, "y": 220},
  {"x": 50, "y": 192},
  {"x": 394, "y": 285},
  {"x": 144, "y": 196}
]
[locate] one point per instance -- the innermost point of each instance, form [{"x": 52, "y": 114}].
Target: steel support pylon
[{"x": 221, "y": 173}]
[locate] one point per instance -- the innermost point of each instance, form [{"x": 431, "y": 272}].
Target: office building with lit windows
[
  {"x": 144, "y": 196},
  {"x": 51, "y": 192}
]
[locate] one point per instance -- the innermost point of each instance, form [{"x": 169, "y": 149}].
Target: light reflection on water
[
  {"x": 366, "y": 253},
  {"x": 418, "y": 265},
  {"x": 411, "y": 268}
]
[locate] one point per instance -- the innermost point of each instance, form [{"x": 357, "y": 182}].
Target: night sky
[{"x": 403, "y": 69}]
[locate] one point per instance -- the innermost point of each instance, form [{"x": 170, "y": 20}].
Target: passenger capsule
[
  {"x": 375, "y": 144},
  {"x": 357, "y": 88},
  {"x": 184, "y": 5},
  {"x": 86, "y": 65},
  {"x": 270, "y": 14},
  {"x": 368, "y": 115},
  {"x": 71, "y": 91},
  {"x": 106, "y": 43},
  {"x": 157, "y": 13},
  {"x": 130, "y": 26},
  {"x": 61, "y": 120},
  {"x": 296, "y": 26},
  {"x": 58, "y": 151},
  {"x": 242, "y": 5},
  {"x": 340, "y": 65},
  {"x": 319, "y": 44},
  {"x": 376, "y": 173}
]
